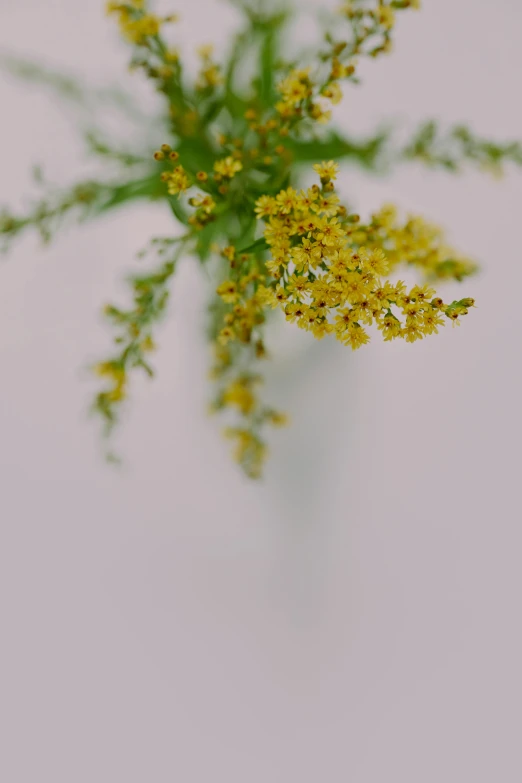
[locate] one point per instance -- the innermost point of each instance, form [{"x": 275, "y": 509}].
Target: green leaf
[
  {"x": 177, "y": 209},
  {"x": 259, "y": 244},
  {"x": 334, "y": 147},
  {"x": 206, "y": 237},
  {"x": 268, "y": 55}
]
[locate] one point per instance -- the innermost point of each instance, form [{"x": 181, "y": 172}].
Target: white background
[{"x": 356, "y": 616}]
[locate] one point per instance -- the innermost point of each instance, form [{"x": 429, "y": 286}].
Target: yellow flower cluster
[
  {"x": 205, "y": 206},
  {"x": 227, "y": 167},
  {"x": 371, "y": 24},
  {"x": 240, "y": 340},
  {"x": 114, "y": 373},
  {"x": 136, "y": 25},
  {"x": 329, "y": 270},
  {"x": 299, "y": 98},
  {"x": 177, "y": 180},
  {"x": 381, "y": 14},
  {"x": 210, "y": 73},
  {"x": 250, "y": 450},
  {"x": 247, "y": 311},
  {"x": 417, "y": 243}
]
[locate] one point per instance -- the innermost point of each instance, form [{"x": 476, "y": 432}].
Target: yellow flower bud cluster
[
  {"x": 300, "y": 96},
  {"x": 303, "y": 94},
  {"x": 372, "y": 22},
  {"x": 114, "y": 373},
  {"x": 210, "y": 75},
  {"x": 228, "y": 167},
  {"x": 250, "y": 452},
  {"x": 136, "y": 25},
  {"x": 134, "y": 341},
  {"x": 177, "y": 180}
]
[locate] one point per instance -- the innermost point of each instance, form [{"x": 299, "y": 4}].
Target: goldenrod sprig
[
  {"x": 459, "y": 146},
  {"x": 134, "y": 329},
  {"x": 330, "y": 271}
]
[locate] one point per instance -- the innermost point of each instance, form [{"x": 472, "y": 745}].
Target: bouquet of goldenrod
[{"x": 235, "y": 150}]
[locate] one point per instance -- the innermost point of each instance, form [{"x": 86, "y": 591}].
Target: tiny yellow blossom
[
  {"x": 240, "y": 394},
  {"x": 204, "y": 202},
  {"x": 228, "y": 167},
  {"x": 278, "y": 419},
  {"x": 327, "y": 171},
  {"x": 177, "y": 180},
  {"x": 333, "y": 92},
  {"x": 295, "y": 88},
  {"x": 206, "y": 51},
  {"x": 265, "y": 206},
  {"x": 385, "y": 16},
  {"x": 228, "y": 291}
]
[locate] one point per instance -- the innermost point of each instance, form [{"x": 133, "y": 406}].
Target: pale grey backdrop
[{"x": 169, "y": 622}]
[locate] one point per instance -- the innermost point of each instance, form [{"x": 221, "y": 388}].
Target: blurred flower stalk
[{"x": 239, "y": 139}]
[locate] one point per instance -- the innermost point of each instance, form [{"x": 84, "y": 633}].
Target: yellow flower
[
  {"x": 375, "y": 261},
  {"x": 431, "y": 319},
  {"x": 330, "y": 278},
  {"x": 333, "y": 92},
  {"x": 115, "y": 372},
  {"x": 177, "y": 180},
  {"x": 320, "y": 329},
  {"x": 228, "y": 167},
  {"x": 411, "y": 333},
  {"x": 295, "y": 88},
  {"x": 354, "y": 336},
  {"x": 278, "y": 419},
  {"x": 114, "y": 8},
  {"x": 297, "y": 285},
  {"x": 205, "y": 202},
  {"x": 240, "y": 394},
  {"x": 422, "y": 293},
  {"x": 385, "y": 16},
  {"x": 286, "y": 201},
  {"x": 265, "y": 206},
  {"x": 329, "y": 232},
  {"x": 327, "y": 171},
  {"x": 308, "y": 253},
  {"x": 226, "y": 335},
  {"x": 229, "y": 252},
  {"x": 206, "y": 51},
  {"x": 294, "y": 310},
  {"x": 210, "y": 77},
  {"x": 328, "y": 205},
  {"x": 319, "y": 114},
  {"x": 228, "y": 291},
  {"x": 390, "y": 327},
  {"x": 138, "y": 30},
  {"x": 341, "y": 71},
  {"x": 250, "y": 451},
  {"x": 148, "y": 344}
]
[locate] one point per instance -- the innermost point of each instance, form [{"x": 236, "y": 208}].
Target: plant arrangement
[{"x": 248, "y": 167}]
